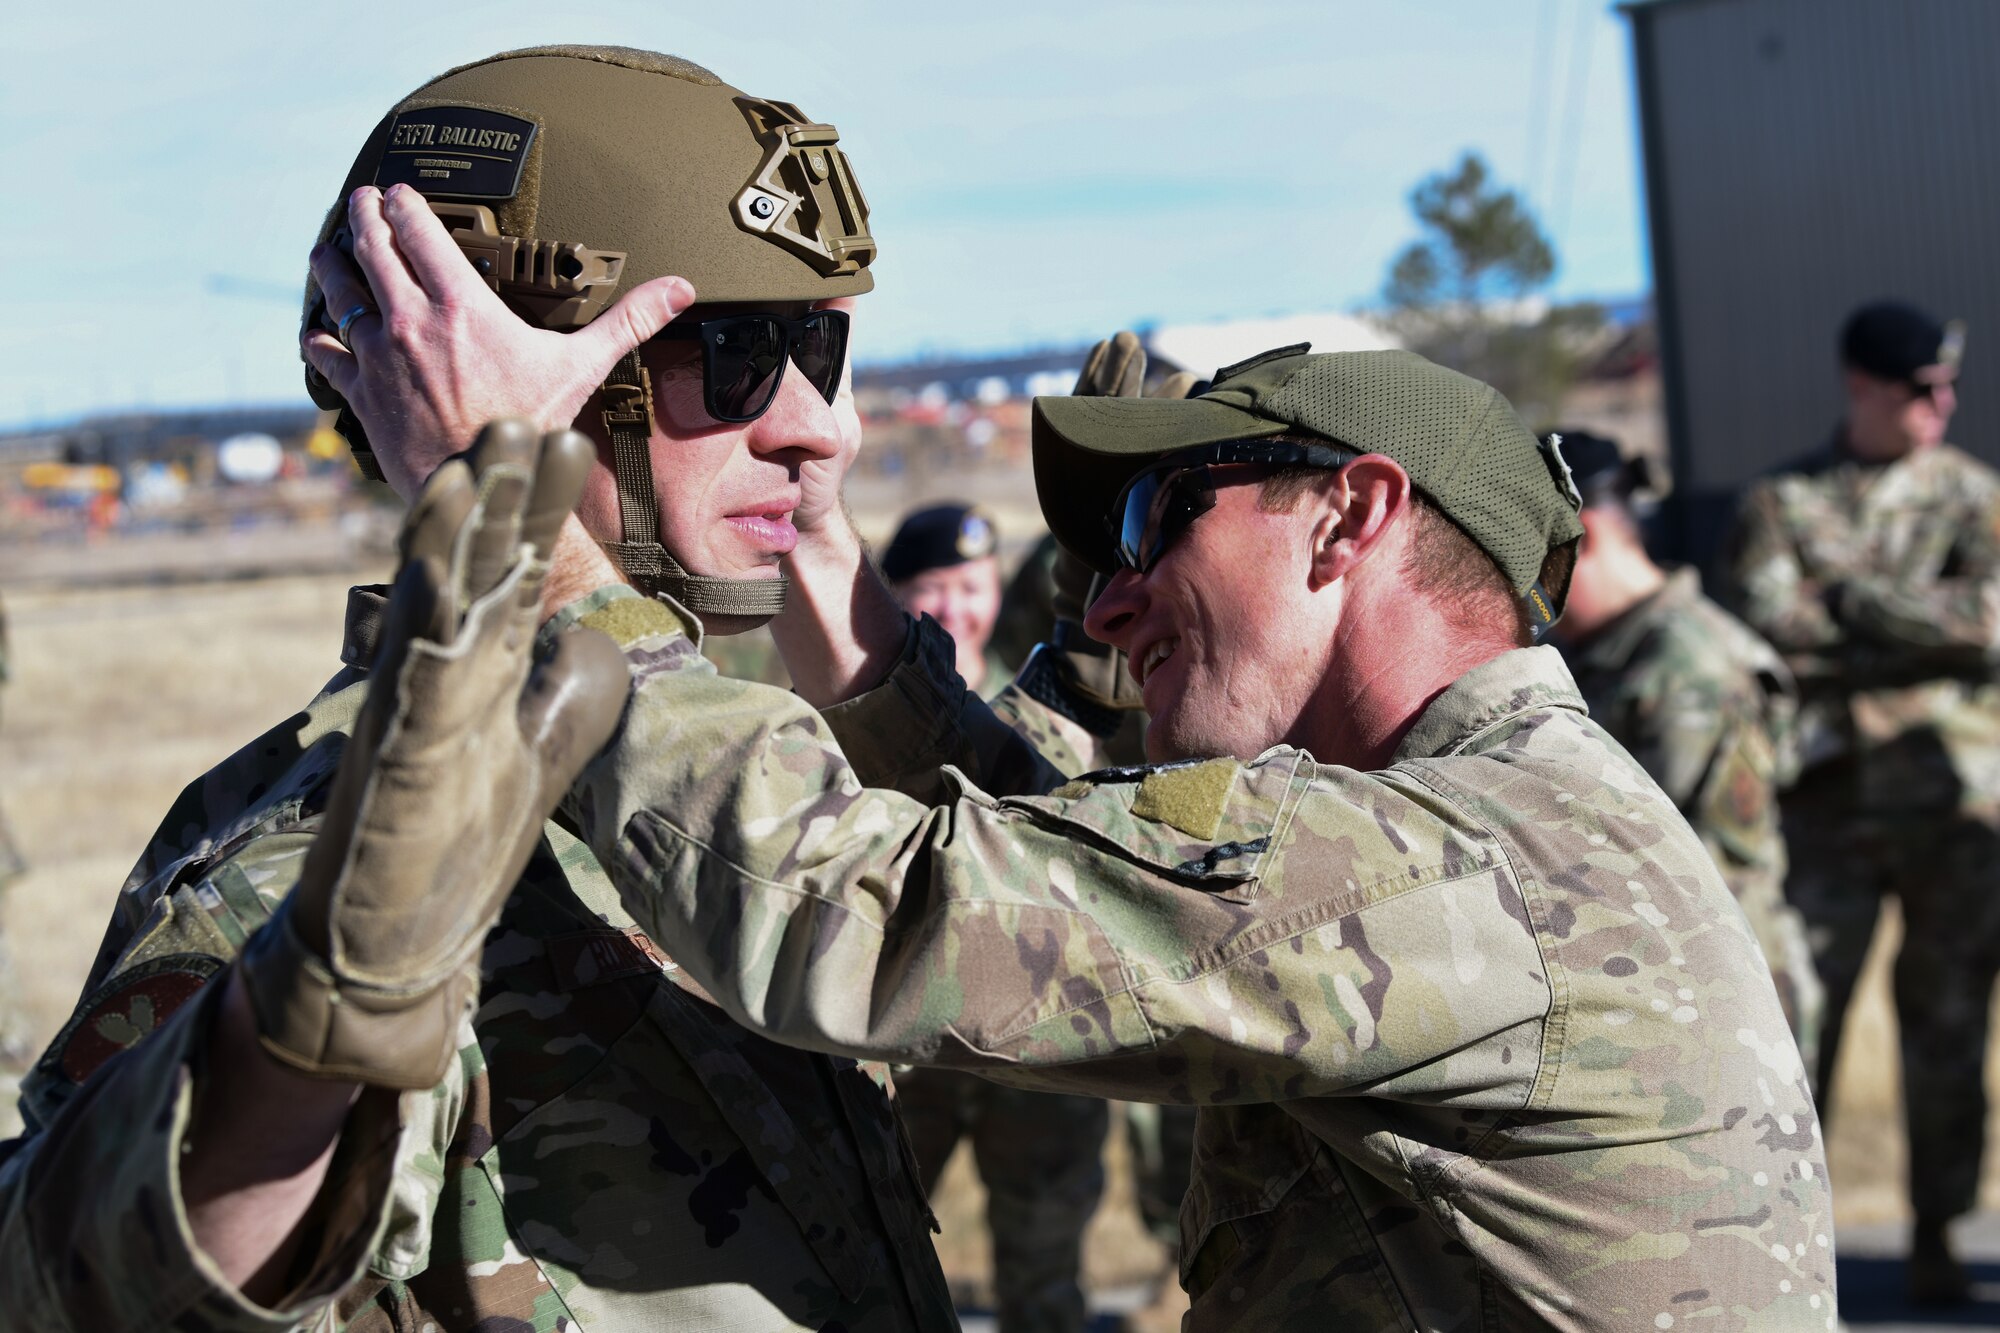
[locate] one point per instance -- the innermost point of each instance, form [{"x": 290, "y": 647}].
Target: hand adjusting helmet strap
[{"x": 628, "y": 419}]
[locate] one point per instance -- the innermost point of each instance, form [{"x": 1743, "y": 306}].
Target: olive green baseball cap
[{"x": 1458, "y": 439}]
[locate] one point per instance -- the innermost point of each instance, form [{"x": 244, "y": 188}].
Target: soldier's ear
[{"x": 1356, "y": 513}]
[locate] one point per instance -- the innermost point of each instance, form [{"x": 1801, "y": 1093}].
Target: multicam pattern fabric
[
  {"x": 1480, "y": 1040},
  {"x": 1040, "y": 1156},
  {"x": 611, "y": 1152},
  {"x": 1880, "y": 585},
  {"x": 1707, "y": 708}
]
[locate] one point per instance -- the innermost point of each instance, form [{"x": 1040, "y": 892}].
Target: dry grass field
[{"x": 121, "y": 695}]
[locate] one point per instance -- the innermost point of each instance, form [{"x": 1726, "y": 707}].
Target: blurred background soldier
[
  {"x": 1874, "y": 565},
  {"x": 944, "y": 563},
  {"x": 1040, "y": 1154},
  {"x": 1702, "y": 703}
]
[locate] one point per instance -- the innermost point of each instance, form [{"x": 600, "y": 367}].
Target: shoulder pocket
[{"x": 1206, "y": 823}]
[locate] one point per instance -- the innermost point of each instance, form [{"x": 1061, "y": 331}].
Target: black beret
[
  {"x": 937, "y": 538},
  {"x": 1893, "y": 340}
]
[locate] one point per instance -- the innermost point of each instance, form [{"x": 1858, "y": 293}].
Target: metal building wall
[{"x": 1804, "y": 156}]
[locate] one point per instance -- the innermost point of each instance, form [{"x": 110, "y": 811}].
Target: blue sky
[{"x": 1039, "y": 172}]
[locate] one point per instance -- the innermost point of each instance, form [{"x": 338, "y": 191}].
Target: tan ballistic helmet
[{"x": 570, "y": 174}]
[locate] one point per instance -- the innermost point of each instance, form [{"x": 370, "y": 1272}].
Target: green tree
[
  {"x": 1456, "y": 294},
  {"x": 1481, "y": 242}
]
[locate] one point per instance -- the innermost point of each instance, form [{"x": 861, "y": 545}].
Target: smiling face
[
  {"x": 1223, "y": 633},
  {"x": 725, "y": 492},
  {"x": 964, "y": 599}
]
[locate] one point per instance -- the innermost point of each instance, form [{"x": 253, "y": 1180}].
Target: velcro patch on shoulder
[
  {"x": 125, "y": 1010},
  {"x": 630, "y": 619},
  {"x": 1191, "y": 798}
]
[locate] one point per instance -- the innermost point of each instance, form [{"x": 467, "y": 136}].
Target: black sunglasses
[
  {"x": 1926, "y": 389},
  {"x": 1156, "y": 507},
  {"x": 743, "y": 358}
]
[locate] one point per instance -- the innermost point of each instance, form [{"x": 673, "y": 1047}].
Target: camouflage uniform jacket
[
  {"x": 1709, "y": 710},
  {"x": 1880, "y": 584},
  {"x": 1480, "y": 1041},
  {"x": 611, "y": 1152}
]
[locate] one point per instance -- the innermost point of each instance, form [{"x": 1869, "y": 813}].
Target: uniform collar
[
  {"x": 1835, "y": 454},
  {"x": 368, "y": 603},
  {"x": 1522, "y": 680}
]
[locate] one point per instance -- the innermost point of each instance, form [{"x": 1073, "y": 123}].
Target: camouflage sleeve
[
  {"x": 1711, "y": 752},
  {"x": 94, "y": 1236},
  {"x": 1960, "y": 609},
  {"x": 1767, "y": 580},
  {"x": 1060, "y": 740},
  {"x": 1673, "y": 722},
  {"x": 262, "y": 785},
  {"x": 1126, "y": 938},
  {"x": 902, "y": 733},
  {"x": 209, "y": 888},
  {"x": 215, "y": 868}
]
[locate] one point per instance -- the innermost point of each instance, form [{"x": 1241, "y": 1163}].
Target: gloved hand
[
  {"x": 462, "y": 748},
  {"x": 1116, "y": 368},
  {"x": 1095, "y": 671}
]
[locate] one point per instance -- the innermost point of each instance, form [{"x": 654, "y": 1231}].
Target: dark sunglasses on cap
[
  {"x": 743, "y": 358},
  {"x": 1156, "y": 507}
]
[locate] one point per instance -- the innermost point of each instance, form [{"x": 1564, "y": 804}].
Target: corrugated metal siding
[{"x": 1804, "y": 156}]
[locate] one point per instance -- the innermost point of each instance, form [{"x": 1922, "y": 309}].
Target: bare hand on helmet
[{"x": 434, "y": 354}]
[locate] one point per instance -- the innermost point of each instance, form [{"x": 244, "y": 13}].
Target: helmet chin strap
[{"x": 628, "y": 418}]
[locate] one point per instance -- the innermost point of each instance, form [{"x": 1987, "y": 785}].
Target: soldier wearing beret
[
  {"x": 944, "y": 562},
  {"x": 1873, "y": 564}
]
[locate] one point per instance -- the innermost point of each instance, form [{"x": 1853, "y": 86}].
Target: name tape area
[{"x": 461, "y": 152}]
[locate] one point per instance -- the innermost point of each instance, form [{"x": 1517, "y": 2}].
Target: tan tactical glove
[
  {"x": 462, "y": 748},
  {"x": 1094, "y": 672},
  {"x": 1115, "y": 368}
]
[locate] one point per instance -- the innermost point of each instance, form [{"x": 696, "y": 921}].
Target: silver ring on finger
[{"x": 347, "y": 322}]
